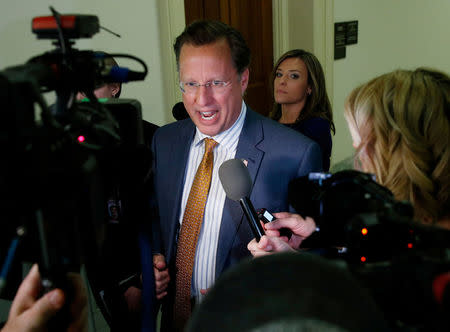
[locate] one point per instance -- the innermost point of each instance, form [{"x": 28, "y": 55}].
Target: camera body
[
  {"x": 354, "y": 214},
  {"x": 396, "y": 258}
]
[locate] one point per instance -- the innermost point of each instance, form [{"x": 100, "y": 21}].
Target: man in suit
[{"x": 213, "y": 60}]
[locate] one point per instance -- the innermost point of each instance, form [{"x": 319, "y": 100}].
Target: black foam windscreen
[
  {"x": 179, "y": 111},
  {"x": 235, "y": 179}
]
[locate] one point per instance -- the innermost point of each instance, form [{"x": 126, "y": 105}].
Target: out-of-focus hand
[
  {"x": 301, "y": 228},
  {"x": 78, "y": 305},
  {"x": 30, "y": 313},
  {"x": 268, "y": 245},
  {"x": 162, "y": 276},
  {"x": 133, "y": 298}
]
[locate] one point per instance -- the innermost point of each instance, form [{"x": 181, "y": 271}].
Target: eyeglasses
[{"x": 192, "y": 87}]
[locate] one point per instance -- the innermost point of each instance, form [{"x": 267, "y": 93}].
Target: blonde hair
[{"x": 400, "y": 124}]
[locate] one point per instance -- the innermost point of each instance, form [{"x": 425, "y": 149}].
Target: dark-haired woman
[{"x": 300, "y": 99}]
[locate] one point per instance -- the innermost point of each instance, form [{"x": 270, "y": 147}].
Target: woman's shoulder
[
  {"x": 317, "y": 121},
  {"x": 315, "y": 124}
]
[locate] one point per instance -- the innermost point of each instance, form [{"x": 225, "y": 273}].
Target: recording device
[
  {"x": 398, "y": 259},
  {"x": 237, "y": 184},
  {"x": 265, "y": 216},
  {"x": 58, "y": 167}
]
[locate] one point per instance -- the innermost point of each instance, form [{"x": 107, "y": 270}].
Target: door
[{"x": 253, "y": 18}]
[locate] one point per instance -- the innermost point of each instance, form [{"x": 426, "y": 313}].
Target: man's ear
[
  {"x": 244, "y": 80},
  {"x": 115, "y": 88}
]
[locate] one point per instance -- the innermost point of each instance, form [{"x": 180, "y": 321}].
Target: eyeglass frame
[{"x": 209, "y": 84}]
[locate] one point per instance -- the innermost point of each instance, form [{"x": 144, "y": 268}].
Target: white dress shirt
[{"x": 204, "y": 272}]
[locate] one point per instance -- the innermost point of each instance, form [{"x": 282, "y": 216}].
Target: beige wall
[
  {"x": 136, "y": 20},
  {"x": 301, "y": 20},
  {"x": 392, "y": 34}
]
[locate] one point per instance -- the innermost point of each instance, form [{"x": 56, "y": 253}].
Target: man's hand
[
  {"x": 28, "y": 313},
  {"x": 162, "y": 277},
  {"x": 133, "y": 298},
  {"x": 204, "y": 291}
]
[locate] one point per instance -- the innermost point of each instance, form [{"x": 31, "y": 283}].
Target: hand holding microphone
[{"x": 237, "y": 184}]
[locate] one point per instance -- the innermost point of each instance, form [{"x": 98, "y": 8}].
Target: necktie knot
[{"x": 210, "y": 144}]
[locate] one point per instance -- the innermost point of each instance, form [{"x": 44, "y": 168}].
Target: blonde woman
[{"x": 401, "y": 131}]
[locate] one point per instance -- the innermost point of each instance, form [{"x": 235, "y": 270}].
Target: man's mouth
[{"x": 208, "y": 115}]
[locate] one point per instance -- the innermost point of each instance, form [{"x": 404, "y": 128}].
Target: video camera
[
  {"x": 59, "y": 167},
  {"x": 398, "y": 259}
]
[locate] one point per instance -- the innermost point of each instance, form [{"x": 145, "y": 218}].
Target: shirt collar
[{"x": 223, "y": 138}]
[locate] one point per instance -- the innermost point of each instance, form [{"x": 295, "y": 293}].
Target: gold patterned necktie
[{"x": 190, "y": 229}]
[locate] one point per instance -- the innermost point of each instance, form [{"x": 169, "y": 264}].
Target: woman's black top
[{"x": 318, "y": 129}]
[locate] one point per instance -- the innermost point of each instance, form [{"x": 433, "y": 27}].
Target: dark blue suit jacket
[{"x": 275, "y": 155}]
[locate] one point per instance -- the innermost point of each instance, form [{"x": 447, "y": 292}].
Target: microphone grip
[{"x": 252, "y": 218}]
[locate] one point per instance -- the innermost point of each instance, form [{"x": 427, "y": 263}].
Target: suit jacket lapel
[
  {"x": 233, "y": 216},
  {"x": 180, "y": 152}
]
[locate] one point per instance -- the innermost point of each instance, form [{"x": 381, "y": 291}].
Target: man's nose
[{"x": 203, "y": 95}]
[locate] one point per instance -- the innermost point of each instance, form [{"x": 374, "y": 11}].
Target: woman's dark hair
[
  {"x": 206, "y": 32},
  {"x": 317, "y": 103}
]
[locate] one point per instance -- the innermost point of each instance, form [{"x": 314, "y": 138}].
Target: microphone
[
  {"x": 179, "y": 111},
  {"x": 236, "y": 182}
]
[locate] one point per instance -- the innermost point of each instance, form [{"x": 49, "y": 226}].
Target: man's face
[{"x": 212, "y": 111}]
